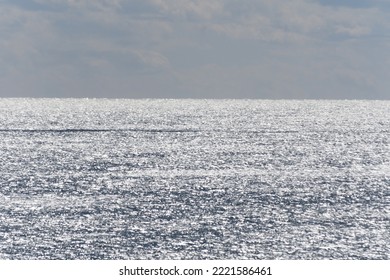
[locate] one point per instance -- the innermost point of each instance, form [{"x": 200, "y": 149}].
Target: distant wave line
[
  {"x": 161, "y": 130},
  {"x": 75, "y": 130},
  {"x": 157, "y": 130}
]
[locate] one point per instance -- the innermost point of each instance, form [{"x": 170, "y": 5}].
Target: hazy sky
[{"x": 195, "y": 48}]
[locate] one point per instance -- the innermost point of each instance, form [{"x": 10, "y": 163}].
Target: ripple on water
[{"x": 194, "y": 179}]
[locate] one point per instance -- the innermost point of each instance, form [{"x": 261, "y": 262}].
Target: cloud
[
  {"x": 190, "y": 8},
  {"x": 152, "y": 58},
  {"x": 82, "y": 4},
  {"x": 355, "y": 4},
  {"x": 198, "y": 48},
  {"x": 353, "y": 31},
  {"x": 295, "y": 21}
]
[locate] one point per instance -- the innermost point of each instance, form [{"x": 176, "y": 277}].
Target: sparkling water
[{"x": 194, "y": 179}]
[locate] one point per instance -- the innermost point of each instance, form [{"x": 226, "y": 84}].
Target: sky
[{"x": 279, "y": 49}]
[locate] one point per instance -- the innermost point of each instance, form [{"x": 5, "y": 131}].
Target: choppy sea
[{"x": 194, "y": 179}]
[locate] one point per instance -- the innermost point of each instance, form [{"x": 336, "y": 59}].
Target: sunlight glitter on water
[{"x": 194, "y": 179}]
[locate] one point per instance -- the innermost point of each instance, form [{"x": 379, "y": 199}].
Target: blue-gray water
[{"x": 194, "y": 179}]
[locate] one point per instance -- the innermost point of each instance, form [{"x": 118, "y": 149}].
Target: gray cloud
[{"x": 194, "y": 48}]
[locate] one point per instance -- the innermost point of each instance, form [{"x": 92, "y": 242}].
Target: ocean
[{"x": 194, "y": 179}]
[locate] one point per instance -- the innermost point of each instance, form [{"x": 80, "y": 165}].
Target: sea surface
[{"x": 194, "y": 179}]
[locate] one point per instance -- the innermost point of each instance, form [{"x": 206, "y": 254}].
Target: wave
[{"x": 78, "y": 130}]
